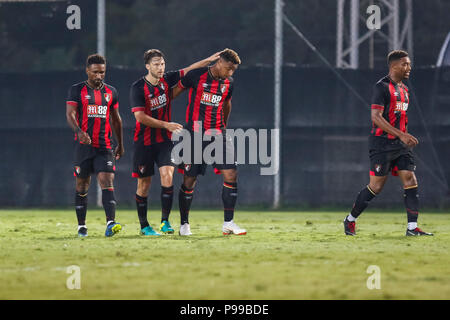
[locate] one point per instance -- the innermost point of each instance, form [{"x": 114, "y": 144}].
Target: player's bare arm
[
  {"x": 71, "y": 116},
  {"x": 116, "y": 124},
  {"x": 203, "y": 63},
  {"x": 149, "y": 121},
  {"x": 176, "y": 91},
  {"x": 226, "y": 111},
  {"x": 379, "y": 121}
]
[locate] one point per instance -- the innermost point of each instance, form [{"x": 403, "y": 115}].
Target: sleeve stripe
[
  {"x": 72, "y": 103},
  {"x": 180, "y": 85},
  {"x": 181, "y": 73},
  {"x": 377, "y": 106},
  {"x": 137, "y": 109},
  {"x": 116, "y": 105}
]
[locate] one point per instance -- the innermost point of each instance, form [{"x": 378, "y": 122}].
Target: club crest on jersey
[
  {"x": 223, "y": 87},
  {"x": 107, "y": 96},
  {"x": 378, "y": 168},
  {"x": 162, "y": 86},
  {"x": 77, "y": 169}
]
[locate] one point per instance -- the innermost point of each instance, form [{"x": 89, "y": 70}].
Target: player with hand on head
[
  {"x": 208, "y": 111},
  {"x": 150, "y": 100},
  {"x": 92, "y": 110},
  {"x": 390, "y": 144}
]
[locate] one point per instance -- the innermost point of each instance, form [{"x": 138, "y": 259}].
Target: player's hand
[
  {"x": 409, "y": 140},
  {"x": 173, "y": 127},
  {"x": 84, "y": 137},
  {"x": 119, "y": 152},
  {"x": 214, "y": 57}
]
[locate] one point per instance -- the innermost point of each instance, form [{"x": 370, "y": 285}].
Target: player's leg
[
  {"x": 83, "y": 168},
  {"x": 143, "y": 187},
  {"x": 143, "y": 170},
  {"x": 228, "y": 169},
  {"x": 380, "y": 164},
  {"x": 166, "y": 169},
  {"x": 190, "y": 173},
  {"x": 166, "y": 174},
  {"x": 229, "y": 197},
  {"x": 106, "y": 181},
  {"x": 104, "y": 167},
  {"x": 411, "y": 199},
  {"x": 376, "y": 184},
  {"x": 367, "y": 194},
  {"x": 81, "y": 202},
  {"x": 185, "y": 197},
  {"x": 229, "y": 193}
]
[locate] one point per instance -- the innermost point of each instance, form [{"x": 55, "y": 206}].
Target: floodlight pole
[
  {"x": 100, "y": 50},
  {"x": 101, "y": 27},
  {"x": 278, "y": 63}
]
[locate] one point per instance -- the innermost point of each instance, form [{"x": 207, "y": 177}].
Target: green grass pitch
[{"x": 285, "y": 255}]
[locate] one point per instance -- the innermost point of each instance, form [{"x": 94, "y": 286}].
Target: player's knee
[
  {"x": 106, "y": 181},
  {"x": 230, "y": 176},
  {"x": 143, "y": 186},
  {"x": 376, "y": 187},
  {"x": 82, "y": 188},
  {"x": 166, "y": 177},
  {"x": 82, "y": 185},
  {"x": 410, "y": 181},
  {"x": 189, "y": 182}
]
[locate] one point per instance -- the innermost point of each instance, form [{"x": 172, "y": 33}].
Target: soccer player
[
  {"x": 390, "y": 144},
  {"x": 208, "y": 110},
  {"x": 150, "y": 100},
  {"x": 92, "y": 110}
]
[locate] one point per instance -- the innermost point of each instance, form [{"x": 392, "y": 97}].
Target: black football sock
[
  {"x": 109, "y": 204},
  {"x": 411, "y": 198},
  {"x": 229, "y": 197},
  {"x": 362, "y": 201},
  {"x": 141, "y": 205},
  {"x": 81, "y": 201},
  {"x": 166, "y": 202},
  {"x": 185, "y": 199}
]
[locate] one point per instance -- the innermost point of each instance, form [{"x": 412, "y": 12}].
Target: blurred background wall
[{"x": 324, "y": 124}]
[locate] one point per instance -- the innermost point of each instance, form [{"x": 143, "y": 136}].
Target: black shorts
[
  {"x": 90, "y": 160},
  {"x": 389, "y": 155},
  {"x": 196, "y": 167},
  {"x": 145, "y": 158}
]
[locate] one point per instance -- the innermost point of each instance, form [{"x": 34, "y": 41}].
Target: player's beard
[{"x": 156, "y": 75}]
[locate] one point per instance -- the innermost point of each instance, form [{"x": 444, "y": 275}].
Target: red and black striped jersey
[
  {"x": 393, "y": 99},
  {"x": 206, "y": 98},
  {"x": 93, "y": 110},
  {"x": 155, "y": 101}
]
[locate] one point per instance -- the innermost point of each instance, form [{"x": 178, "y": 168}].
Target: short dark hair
[
  {"x": 231, "y": 56},
  {"x": 396, "y": 55},
  {"x": 95, "y": 59},
  {"x": 151, "y": 53}
]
